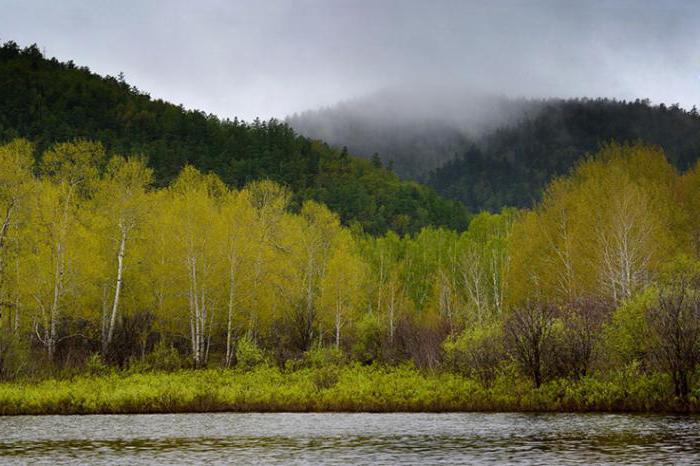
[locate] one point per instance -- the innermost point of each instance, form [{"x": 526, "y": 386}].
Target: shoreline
[
  {"x": 225, "y": 411},
  {"x": 351, "y": 389}
]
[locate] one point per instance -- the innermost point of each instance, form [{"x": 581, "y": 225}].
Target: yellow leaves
[
  {"x": 76, "y": 164},
  {"x": 16, "y": 163},
  {"x": 131, "y": 172},
  {"x": 343, "y": 281},
  {"x": 193, "y": 254},
  {"x": 604, "y": 230},
  {"x": 321, "y": 221},
  {"x": 192, "y": 182},
  {"x": 268, "y": 196},
  {"x": 689, "y": 197}
]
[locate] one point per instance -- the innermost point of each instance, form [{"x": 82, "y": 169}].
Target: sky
[{"x": 271, "y": 58}]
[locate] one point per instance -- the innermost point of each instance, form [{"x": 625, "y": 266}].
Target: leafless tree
[
  {"x": 583, "y": 320},
  {"x": 675, "y": 325},
  {"x": 529, "y": 337}
]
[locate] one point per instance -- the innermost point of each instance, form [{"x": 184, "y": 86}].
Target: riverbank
[{"x": 349, "y": 389}]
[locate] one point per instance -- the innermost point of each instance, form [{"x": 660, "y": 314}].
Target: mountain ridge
[
  {"x": 513, "y": 150},
  {"x": 48, "y": 101}
]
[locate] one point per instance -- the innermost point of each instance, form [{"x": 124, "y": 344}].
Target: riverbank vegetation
[
  {"x": 591, "y": 300},
  {"x": 346, "y": 388}
]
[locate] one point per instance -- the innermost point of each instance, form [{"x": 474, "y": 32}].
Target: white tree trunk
[
  {"x": 18, "y": 302},
  {"x": 229, "y": 318},
  {"x": 337, "y": 322},
  {"x": 117, "y": 289},
  {"x": 392, "y": 303},
  {"x": 194, "y": 311},
  {"x": 625, "y": 247},
  {"x": 3, "y": 235},
  {"x": 472, "y": 276},
  {"x": 51, "y": 329}
]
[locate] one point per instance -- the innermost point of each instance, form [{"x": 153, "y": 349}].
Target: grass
[{"x": 346, "y": 388}]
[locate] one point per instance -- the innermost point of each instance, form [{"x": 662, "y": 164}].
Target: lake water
[{"x": 285, "y": 438}]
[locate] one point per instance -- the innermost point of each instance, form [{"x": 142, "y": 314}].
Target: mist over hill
[
  {"x": 492, "y": 151},
  {"x": 413, "y": 130},
  {"x": 47, "y": 101}
]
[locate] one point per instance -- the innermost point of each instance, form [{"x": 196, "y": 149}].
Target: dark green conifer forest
[
  {"x": 508, "y": 160},
  {"x": 46, "y": 101}
]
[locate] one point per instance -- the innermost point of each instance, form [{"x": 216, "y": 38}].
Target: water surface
[{"x": 285, "y": 438}]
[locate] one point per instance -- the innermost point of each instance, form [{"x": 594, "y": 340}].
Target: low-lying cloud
[{"x": 271, "y": 59}]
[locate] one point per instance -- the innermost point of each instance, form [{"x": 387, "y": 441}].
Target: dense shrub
[
  {"x": 164, "y": 357},
  {"x": 325, "y": 377},
  {"x": 368, "y": 344},
  {"x": 248, "y": 354},
  {"x": 625, "y": 340},
  {"x": 421, "y": 341},
  {"x": 530, "y": 339},
  {"x": 15, "y": 356},
  {"x": 579, "y": 335},
  {"x": 476, "y": 352},
  {"x": 348, "y": 388},
  {"x": 324, "y": 357},
  {"x": 675, "y": 329},
  {"x": 95, "y": 365}
]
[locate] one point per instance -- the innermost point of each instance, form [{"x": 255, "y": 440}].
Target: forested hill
[
  {"x": 490, "y": 152},
  {"x": 512, "y": 165},
  {"x": 415, "y": 131},
  {"x": 47, "y": 101}
]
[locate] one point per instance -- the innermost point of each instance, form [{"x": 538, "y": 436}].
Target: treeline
[
  {"x": 413, "y": 132},
  {"x": 511, "y": 166},
  {"x": 602, "y": 276},
  {"x": 46, "y": 101},
  {"x": 493, "y": 152}
]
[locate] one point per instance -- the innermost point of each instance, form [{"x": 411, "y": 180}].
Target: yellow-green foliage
[
  {"x": 352, "y": 388},
  {"x": 626, "y": 338},
  {"x": 93, "y": 256}
]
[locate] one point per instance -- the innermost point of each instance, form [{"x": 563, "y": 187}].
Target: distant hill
[
  {"x": 47, "y": 101},
  {"x": 492, "y": 152},
  {"x": 512, "y": 165},
  {"x": 414, "y": 131}
]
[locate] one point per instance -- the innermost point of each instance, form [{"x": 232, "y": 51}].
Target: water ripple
[{"x": 287, "y": 438}]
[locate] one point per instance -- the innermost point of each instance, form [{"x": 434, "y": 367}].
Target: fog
[{"x": 275, "y": 58}]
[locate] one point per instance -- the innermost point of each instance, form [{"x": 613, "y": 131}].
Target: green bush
[
  {"x": 164, "y": 358},
  {"x": 95, "y": 365},
  {"x": 368, "y": 345},
  {"x": 626, "y": 339},
  {"x": 248, "y": 354},
  {"x": 15, "y": 358},
  {"x": 325, "y": 377},
  {"x": 350, "y": 387},
  {"x": 324, "y": 357},
  {"x": 477, "y": 352}
]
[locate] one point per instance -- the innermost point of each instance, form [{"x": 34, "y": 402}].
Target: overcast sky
[{"x": 272, "y": 58}]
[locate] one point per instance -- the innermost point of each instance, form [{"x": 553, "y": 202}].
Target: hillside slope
[
  {"x": 491, "y": 152},
  {"x": 416, "y": 131},
  {"x": 512, "y": 165},
  {"x": 47, "y": 101}
]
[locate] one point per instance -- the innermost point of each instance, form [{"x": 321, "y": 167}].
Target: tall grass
[{"x": 344, "y": 388}]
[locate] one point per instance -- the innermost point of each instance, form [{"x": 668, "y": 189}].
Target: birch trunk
[
  {"x": 3, "y": 235},
  {"x": 392, "y": 302},
  {"x": 337, "y": 323},
  {"x": 229, "y": 318},
  {"x": 54, "y": 309},
  {"x": 117, "y": 289}
]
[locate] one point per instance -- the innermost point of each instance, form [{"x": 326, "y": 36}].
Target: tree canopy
[{"x": 46, "y": 101}]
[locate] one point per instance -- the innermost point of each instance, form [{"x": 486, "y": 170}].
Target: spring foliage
[
  {"x": 599, "y": 278},
  {"x": 44, "y": 101}
]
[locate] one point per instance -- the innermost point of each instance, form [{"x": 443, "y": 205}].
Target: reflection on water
[{"x": 351, "y": 438}]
